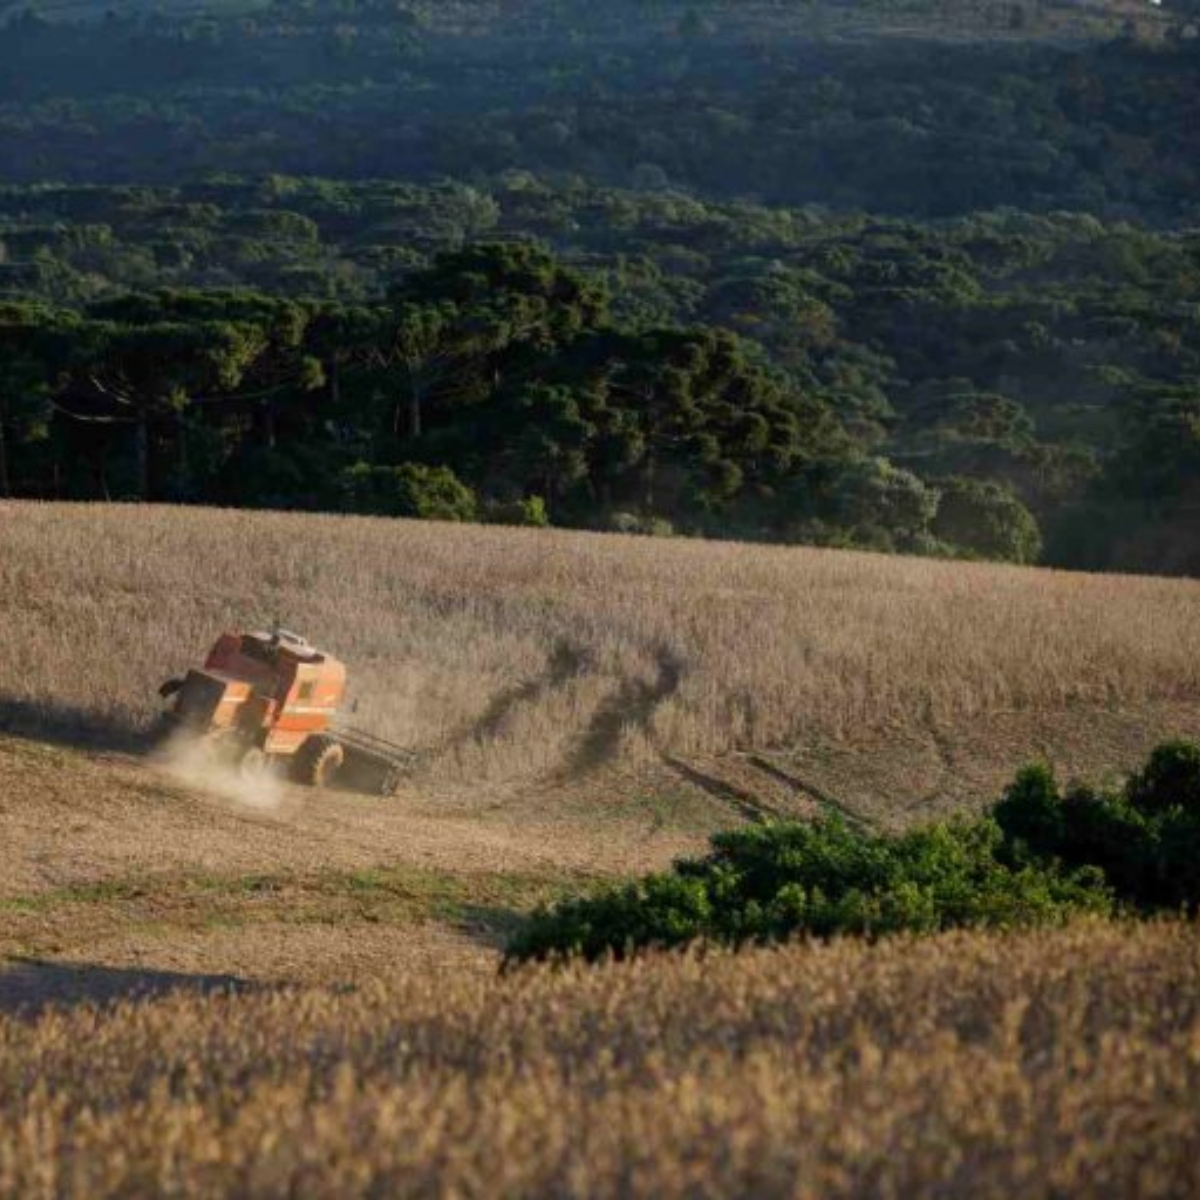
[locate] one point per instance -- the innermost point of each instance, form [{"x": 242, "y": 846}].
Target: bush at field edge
[{"x": 1041, "y": 856}]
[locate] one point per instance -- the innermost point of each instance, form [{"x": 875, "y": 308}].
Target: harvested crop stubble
[
  {"x": 507, "y": 652},
  {"x": 1050, "y": 1063}
]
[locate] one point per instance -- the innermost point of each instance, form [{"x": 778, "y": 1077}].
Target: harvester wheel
[
  {"x": 254, "y": 765},
  {"x": 318, "y": 761}
]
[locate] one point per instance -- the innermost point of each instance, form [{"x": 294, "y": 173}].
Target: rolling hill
[
  {"x": 580, "y": 707},
  {"x": 524, "y": 662},
  {"x": 575, "y": 704}
]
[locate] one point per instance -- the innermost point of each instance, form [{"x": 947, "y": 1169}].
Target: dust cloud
[{"x": 197, "y": 764}]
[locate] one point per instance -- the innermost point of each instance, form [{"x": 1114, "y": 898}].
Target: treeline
[
  {"x": 1054, "y": 358},
  {"x": 615, "y": 268},
  {"x": 501, "y": 383},
  {"x": 495, "y": 384}
]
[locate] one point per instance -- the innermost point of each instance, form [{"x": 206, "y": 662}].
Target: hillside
[
  {"x": 581, "y": 708},
  {"x": 529, "y": 658},
  {"x": 747, "y": 455}
]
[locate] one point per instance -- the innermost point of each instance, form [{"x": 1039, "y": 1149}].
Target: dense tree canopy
[{"x": 718, "y": 268}]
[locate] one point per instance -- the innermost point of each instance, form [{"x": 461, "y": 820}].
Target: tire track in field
[
  {"x": 743, "y": 801},
  {"x": 565, "y": 664},
  {"x": 943, "y": 752},
  {"x": 822, "y": 798},
  {"x": 631, "y": 707}
]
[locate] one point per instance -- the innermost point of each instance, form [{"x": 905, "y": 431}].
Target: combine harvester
[{"x": 264, "y": 701}]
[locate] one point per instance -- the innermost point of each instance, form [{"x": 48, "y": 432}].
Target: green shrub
[
  {"x": 1041, "y": 856},
  {"x": 628, "y": 522},
  {"x": 529, "y": 510},
  {"x": 1145, "y": 837},
  {"x": 1031, "y": 810},
  {"x": 409, "y": 490},
  {"x": 987, "y": 519},
  {"x": 822, "y": 879},
  {"x": 1171, "y": 778},
  {"x": 865, "y": 504}
]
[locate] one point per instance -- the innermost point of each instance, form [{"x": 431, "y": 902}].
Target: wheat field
[
  {"x": 199, "y": 999},
  {"x": 528, "y": 654},
  {"x": 1060, "y": 1063}
]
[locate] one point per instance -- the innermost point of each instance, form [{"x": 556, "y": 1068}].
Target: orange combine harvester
[{"x": 265, "y": 700}]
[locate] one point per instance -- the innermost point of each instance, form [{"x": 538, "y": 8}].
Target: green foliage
[
  {"x": 634, "y": 93},
  {"x": 1170, "y": 778},
  {"x": 629, "y": 522},
  {"x": 409, "y": 490},
  {"x": 528, "y": 510},
  {"x": 845, "y": 408},
  {"x": 797, "y": 279},
  {"x": 865, "y": 502},
  {"x": 1031, "y": 809},
  {"x": 1145, "y": 837},
  {"x": 822, "y": 879},
  {"x": 31, "y": 344},
  {"x": 1040, "y": 857},
  {"x": 987, "y": 520},
  {"x": 1145, "y": 506}
]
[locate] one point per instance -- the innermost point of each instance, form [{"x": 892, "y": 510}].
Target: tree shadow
[
  {"x": 28, "y": 987},
  {"x": 68, "y": 725},
  {"x": 831, "y": 805},
  {"x": 489, "y": 925}
]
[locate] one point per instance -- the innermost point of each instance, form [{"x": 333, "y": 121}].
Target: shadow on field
[
  {"x": 630, "y": 707},
  {"x": 67, "y": 725},
  {"x": 30, "y": 986},
  {"x": 489, "y": 925},
  {"x": 566, "y": 663}
]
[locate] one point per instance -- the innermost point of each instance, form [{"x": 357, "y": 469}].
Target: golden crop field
[
  {"x": 1048, "y": 1064},
  {"x": 306, "y": 992},
  {"x": 540, "y": 656}
]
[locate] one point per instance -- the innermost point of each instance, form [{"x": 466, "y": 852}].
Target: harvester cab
[{"x": 270, "y": 699}]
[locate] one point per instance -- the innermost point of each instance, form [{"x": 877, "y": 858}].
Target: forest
[{"x": 918, "y": 277}]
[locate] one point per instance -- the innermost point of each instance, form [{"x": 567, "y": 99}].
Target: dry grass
[
  {"x": 120, "y": 936},
  {"x": 531, "y": 655},
  {"x": 582, "y": 706},
  {"x": 77, "y": 921},
  {"x": 70, "y": 820},
  {"x": 1063, "y": 1063}
]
